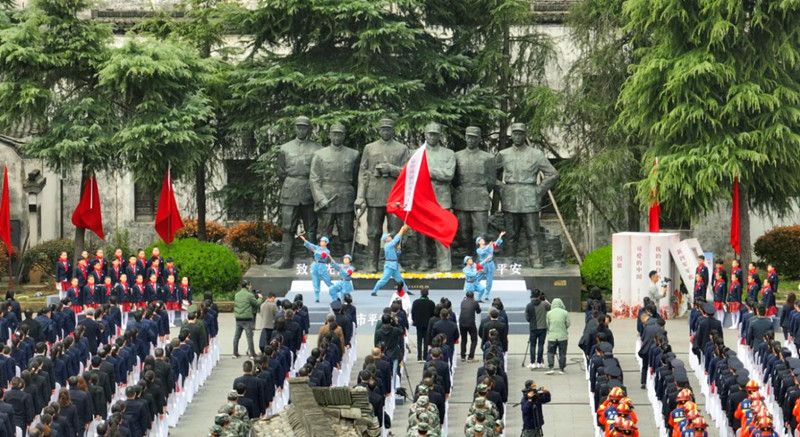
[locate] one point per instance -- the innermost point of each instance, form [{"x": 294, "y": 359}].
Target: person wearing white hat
[{"x": 319, "y": 268}]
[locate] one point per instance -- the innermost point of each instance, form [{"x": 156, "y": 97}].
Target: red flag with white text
[{"x": 413, "y": 200}]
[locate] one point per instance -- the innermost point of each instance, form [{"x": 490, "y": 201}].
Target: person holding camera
[
  {"x": 533, "y": 398},
  {"x": 245, "y": 306}
]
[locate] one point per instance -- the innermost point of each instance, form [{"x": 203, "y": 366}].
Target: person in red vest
[{"x": 63, "y": 274}]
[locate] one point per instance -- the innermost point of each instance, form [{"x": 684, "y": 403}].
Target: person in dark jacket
[
  {"x": 135, "y": 413},
  {"x": 82, "y": 402},
  {"x": 447, "y": 327},
  {"x": 652, "y": 327},
  {"x": 536, "y": 315},
  {"x": 421, "y": 313},
  {"x": 21, "y": 402},
  {"x": 532, "y": 400},
  {"x": 93, "y": 329},
  {"x": 495, "y": 323},
  {"x": 253, "y": 386},
  {"x": 390, "y": 337},
  {"x": 467, "y": 326},
  {"x": 758, "y": 327}
]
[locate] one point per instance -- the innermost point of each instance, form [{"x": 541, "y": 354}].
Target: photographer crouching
[{"x": 532, "y": 418}]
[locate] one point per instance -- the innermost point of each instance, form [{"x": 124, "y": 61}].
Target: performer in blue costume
[
  {"x": 345, "y": 285},
  {"x": 391, "y": 268},
  {"x": 473, "y": 273},
  {"x": 486, "y": 259},
  {"x": 319, "y": 268}
]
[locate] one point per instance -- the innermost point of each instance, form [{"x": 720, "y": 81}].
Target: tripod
[{"x": 527, "y": 348}]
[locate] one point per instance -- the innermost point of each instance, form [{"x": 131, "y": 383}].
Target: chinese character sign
[{"x": 634, "y": 255}]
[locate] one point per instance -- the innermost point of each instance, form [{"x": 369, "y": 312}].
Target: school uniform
[
  {"x": 91, "y": 296},
  {"x": 63, "y": 274},
  {"x": 154, "y": 271},
  {"x": 131, "y": 270},
  {"x": 76, "y": 296},
  {"x": 114, "y": 273},
  {"x": 142, "y": 264},
  {"x": 138, "y": 296},
  {"x": 107, "y": 290},
  {"x": 170, "y": 296},
  {"x": 735, "y": 301},
  {"x": 166, "y": 271},
  {"x": 152, "y": 292},
  {"x": 123, "y": 293},
  {"x": 82, "y": 274},
  {"x": 720, "y": 294},
  {"x": 185, "y": 294},
  {"x": 99, "y": 260},
  {"x": 98, "y": 276}
]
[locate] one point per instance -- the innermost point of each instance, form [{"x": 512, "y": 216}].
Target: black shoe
[
  {"x": 644, "y": 387},
  {"x": 374, "y": 294}
]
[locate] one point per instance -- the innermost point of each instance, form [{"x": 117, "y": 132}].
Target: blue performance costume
[
  {"x": 345, "y": 285},
  {"x": 391, "y": 269},
  {"x": 319, "y": 268},
  {"x": 486, "y": 260},
  {"x": 473, "y": 275}
]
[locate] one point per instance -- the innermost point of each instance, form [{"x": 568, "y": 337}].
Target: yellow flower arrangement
[{"x": 432, "y": 275}]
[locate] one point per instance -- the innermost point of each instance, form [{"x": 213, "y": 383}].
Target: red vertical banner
[
  {"x": 735, "y": 228},
  {"x": 655, "y": 207},
  {"x": 5, "y": 214}
]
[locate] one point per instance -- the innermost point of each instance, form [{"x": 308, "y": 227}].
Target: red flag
[
  {"x": 735, "y": 231},
  {"x": 168, "y": 218},
  {"x": 655, "y": 207},
  {"x": 87, "y": 214},
  {"x": 5, "y": 214},
  {"x": 412, "y": 199}
]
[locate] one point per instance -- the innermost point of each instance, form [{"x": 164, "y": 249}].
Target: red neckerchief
[
  {"x": 124, "y": 288},
  {"x": 171, "y": 287},
  {"x": 77, "y": 291},
  {"x": 154, "y": 284},
  {"x": 698, "y": 285},
  {"x": 752, "y": 272},
  {"x": 108, "y": 289},
  {"x": 85, "y": 274}
]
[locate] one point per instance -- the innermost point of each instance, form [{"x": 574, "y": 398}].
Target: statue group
[{"x": 323, "y": 187}]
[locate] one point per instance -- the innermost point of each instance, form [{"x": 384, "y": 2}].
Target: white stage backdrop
[{"x": 634, "y": 255}]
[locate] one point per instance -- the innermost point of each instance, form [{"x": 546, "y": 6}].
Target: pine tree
[
  {"x": 49, "y": 60},
  {"x": 714, "y": 91}
]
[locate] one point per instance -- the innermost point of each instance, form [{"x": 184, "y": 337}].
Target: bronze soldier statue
[
  {"x": 294, "y": 166},
  {"x": 442, "y": 167},
  {"x": 518, "y": 169},
  {"x": 334, "y": 176},
  {"x": 381, "y": 163},
  {"x": 474, "y": 180}
]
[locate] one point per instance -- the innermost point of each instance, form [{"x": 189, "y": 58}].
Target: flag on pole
[
  {"x": 168, "y": 218},
  {"x": 5, "y": 214},
  {"x": 412, "y": 199},
  {"x": 655, "y": 207},
  {"x": 87, "y": 214},
  {"x": 735, "y": 231}
]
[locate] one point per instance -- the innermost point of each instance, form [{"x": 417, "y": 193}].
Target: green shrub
[
  {"x": 45, "y": 255},
  {"x": 209, "y": 266},
  {"x": 781, "y": 247},
  {"x": 596, "y": 268}
]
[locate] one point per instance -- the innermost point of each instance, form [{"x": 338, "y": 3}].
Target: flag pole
[{"x": 9, "y": 249}]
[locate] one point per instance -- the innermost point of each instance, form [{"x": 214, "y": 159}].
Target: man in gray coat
[
  {"x": 536, "y": 315},
  {"x": 466, "y": 325},
  {"x": 268, "y": 311}
]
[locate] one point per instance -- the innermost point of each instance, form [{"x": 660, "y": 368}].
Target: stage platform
[{"x": 510, "y": 283}]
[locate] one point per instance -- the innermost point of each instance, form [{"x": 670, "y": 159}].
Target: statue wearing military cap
[
  {"x": 521, "y": 192},
  {"x": 381, "y": 163},
  {"x": 297, "y": 203},
  {"x": 334, "y": 177},
  {"x": 442, "y": 167},
  {"x": 473, "y": 182}
]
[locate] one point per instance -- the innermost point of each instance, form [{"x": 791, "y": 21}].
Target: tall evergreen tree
[
  {"x": 603, "y": 162},
  {"x": 49, "y": 61},
  {"x": 715, "y": 91}
]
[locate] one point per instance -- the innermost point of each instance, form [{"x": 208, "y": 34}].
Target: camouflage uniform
[
  {"x": 240, "y": 412},
  {"x": 423, "y": 426},
  {"x": 237, "y": 426},
  {"x": 423, "y": 409},
  {"x": 215, "y": 431},
  {"x": 478, "y": 431},
  {"x": 472, "y": 422},
  {"x": 481, "y": 403}
]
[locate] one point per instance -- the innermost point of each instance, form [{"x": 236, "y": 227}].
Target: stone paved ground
[{"x": 567, "y": 415}]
